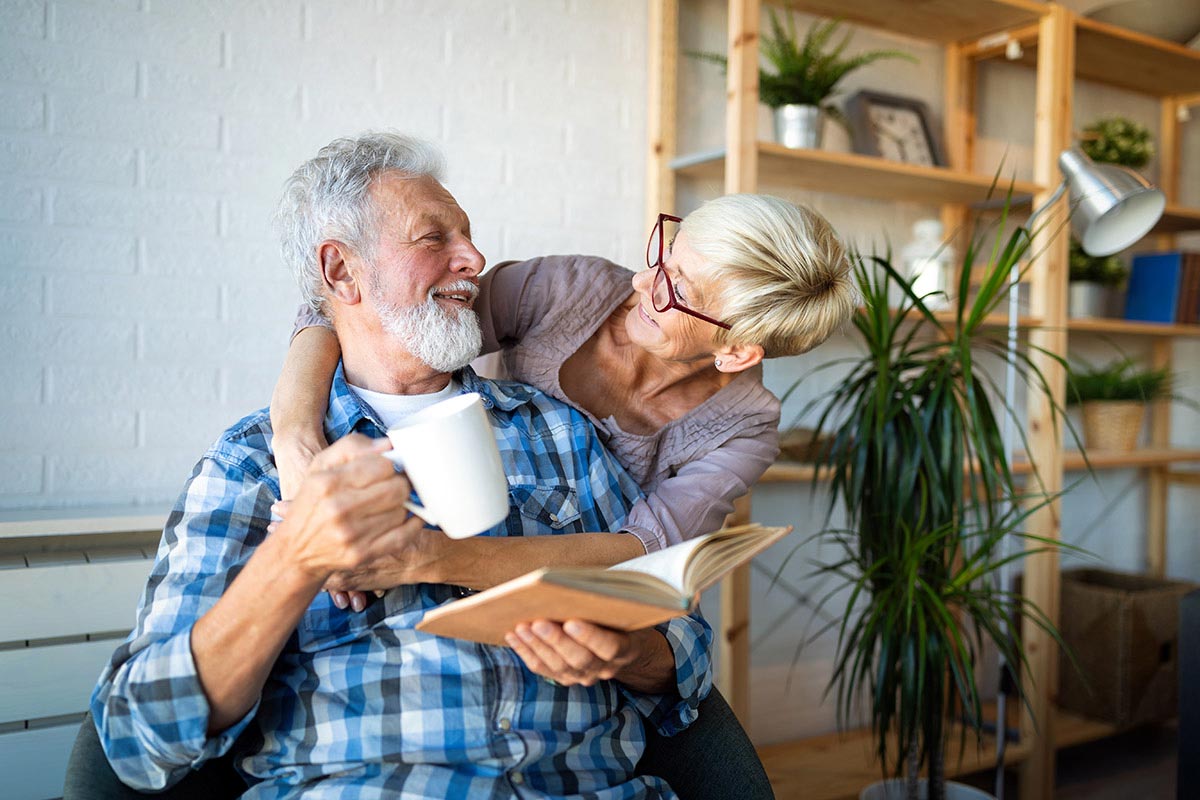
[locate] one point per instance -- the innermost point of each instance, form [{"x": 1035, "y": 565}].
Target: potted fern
[
  {"x": 805, "y": 76},
  {"x": 918, "y": 464},
  {"x": 1113, "y": 398}
]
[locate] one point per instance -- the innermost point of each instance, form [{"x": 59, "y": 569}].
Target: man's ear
[
  {"x": 737, "y": 357},
  {"x": 340, "y": 280}
]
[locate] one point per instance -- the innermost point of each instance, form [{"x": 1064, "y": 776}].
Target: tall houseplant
[
  {"x": 805, "y": 76},
  {"x": 917, "y": 460}
]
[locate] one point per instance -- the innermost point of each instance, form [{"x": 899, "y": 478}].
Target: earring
[{"x": 718, "y": 362}]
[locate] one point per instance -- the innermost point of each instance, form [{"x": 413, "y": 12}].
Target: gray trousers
[{"x": 712, "y": 760}]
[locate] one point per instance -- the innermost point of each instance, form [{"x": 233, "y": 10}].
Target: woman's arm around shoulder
[{"x": 699, "y": 496}]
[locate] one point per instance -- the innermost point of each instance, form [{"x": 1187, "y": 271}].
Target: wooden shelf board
[
  {"x": 943, "y": 21},
  {"x": 1111, "y": 459},
  {"x": 795, "y": 472},
  {"x": 1179, "y": 219},
  {"x": 1127, "y": 60},
  {"x": 837, "y": 766},
  {"x": 852, "y": 173},
  {"x": 1124, "y": 327}
]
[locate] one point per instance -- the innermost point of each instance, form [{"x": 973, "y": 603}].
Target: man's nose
[{"x": 468, "y": 260}]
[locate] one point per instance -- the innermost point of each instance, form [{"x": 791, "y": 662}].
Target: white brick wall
[{"x": 142, "y": 146}]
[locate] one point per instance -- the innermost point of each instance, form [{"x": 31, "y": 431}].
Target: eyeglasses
[{"x": 663, "y": 292}]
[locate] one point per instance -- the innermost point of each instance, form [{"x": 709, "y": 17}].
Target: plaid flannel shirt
[{"x": 360, "y": 704}]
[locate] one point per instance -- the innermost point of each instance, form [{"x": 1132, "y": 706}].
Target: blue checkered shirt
[{"x": 360, "y": 705}]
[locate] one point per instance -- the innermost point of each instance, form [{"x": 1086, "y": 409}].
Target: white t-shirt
[{"x": 392, "y": 409}]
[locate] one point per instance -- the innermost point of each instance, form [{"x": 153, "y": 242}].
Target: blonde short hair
[{"x": 786, "y": 283}]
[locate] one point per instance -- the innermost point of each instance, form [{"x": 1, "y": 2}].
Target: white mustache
[{"x": 458, "y": 287}]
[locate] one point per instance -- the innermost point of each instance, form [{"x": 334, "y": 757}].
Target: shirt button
[
  {"x": 553, "y": 520},
  {"x": 504, "y": 724},
  {"x": 517, "y": 778}
]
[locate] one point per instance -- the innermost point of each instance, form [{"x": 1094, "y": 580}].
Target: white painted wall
[
  {"x": 143, "y": 145},
  {"x": 143, "y": 142}
]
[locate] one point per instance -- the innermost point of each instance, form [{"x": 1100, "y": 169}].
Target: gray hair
[
  {"x": 786, "y": 281},
  {"x": 328, "y": 197}
]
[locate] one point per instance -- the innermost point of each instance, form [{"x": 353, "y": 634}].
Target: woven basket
[{"x": 1113, "y": 425}]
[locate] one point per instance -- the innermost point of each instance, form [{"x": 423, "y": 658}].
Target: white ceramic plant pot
[
  {"x": 1087, "y": 299},
  {"x": 799, "y": 126},
  {"x": 897, "y": 788}
]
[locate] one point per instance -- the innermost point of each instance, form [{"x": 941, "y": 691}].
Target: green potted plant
[
  {"x": 1113, "y": 398},
  {"x": 1118, "y": 140},
  {"x": 918, "y": 464},
  {"x": 1095, "y": 283},
  {"x": 805, "y": 76}
]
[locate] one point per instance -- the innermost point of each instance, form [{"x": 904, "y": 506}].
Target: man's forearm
[{"x": 235, "y": 644}]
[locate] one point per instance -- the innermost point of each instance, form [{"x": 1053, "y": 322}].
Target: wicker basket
[{"x": 1113, "y": 425}]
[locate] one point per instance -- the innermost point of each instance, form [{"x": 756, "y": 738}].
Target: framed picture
[{"x": 893, "y": 127}]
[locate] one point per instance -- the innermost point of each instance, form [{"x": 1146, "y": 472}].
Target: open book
[{"x": 634, "y": 594}]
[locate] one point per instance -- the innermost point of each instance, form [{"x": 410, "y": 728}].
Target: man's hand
[
  {"x": 578, "y": 652},
  {"x": 349, "y": 511},
  {"x": 414, "y": 559}
]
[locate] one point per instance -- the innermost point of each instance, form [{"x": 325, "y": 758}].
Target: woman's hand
[{"x": 293, "y": 454}]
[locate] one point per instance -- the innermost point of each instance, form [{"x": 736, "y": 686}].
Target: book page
[{"x": 668, "y": 565}]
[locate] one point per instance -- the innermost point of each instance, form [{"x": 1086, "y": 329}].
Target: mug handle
[{"x": 420, "y": 511}]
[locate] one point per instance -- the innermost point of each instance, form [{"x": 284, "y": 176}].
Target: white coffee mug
[{"x": 449, "y": 452}]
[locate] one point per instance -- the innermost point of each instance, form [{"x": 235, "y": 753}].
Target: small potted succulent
[
  {"x": 1114, "y": 398},
  {"x": 805, "y": 76},
  {"x": 1096, "y": 283},
  {"x": 1118, "y": 140}
]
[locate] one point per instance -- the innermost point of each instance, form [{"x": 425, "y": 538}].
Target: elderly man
[{"x": 234, "y": 632}]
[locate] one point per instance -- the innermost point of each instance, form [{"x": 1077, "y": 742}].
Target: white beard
[{"x": 441, "y": 340}]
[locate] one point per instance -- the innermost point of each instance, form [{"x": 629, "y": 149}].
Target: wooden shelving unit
[
  {"x": 825, "y": 171},
  {"x": 1122, "y": 327},
  {"x": 1062, "y": 48}
]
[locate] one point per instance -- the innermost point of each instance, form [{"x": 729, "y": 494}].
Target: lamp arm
[{"x": 1058, "y": 192}]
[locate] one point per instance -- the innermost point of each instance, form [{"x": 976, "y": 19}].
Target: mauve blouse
[{"x": 539, "y": 312}]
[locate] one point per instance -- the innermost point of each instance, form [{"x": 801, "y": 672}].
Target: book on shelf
[
  {"x": 634, "y": 594},
  {"x": 1164, "y": 287}
]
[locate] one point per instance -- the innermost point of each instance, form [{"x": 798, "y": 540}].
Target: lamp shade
[{"x": 1113, "y": 207}]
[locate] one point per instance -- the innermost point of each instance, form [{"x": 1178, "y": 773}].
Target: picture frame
[{"x": 894, "y": 127}]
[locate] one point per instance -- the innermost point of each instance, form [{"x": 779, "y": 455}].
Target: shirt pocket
[
  {"x": 553, "y": 505},
  {"x": 324, "y": 625}
]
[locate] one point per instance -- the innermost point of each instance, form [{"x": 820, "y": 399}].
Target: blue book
[{"x": 1155, "y": 282}]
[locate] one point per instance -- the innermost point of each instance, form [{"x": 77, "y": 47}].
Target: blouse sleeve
[
  {"x": 697, "y": 498},
  {"x": 307, "y": 318},
  {"x": 510, "y": 297}
]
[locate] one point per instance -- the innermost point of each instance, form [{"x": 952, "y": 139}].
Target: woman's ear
[
  {"x": 737, "y": 357},
  {"x": 340, "y": 280}
]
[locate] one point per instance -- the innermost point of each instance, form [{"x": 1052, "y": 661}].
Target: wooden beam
[
  {"x": 741, "y": 101},
  {"x": 958, "y": 136},
  {"x": 1052, "y": 133},
  {"x": 663, "y": 47},
  {"x": 733, "y": 650},
  {"x": 1156, "y": 489}
]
